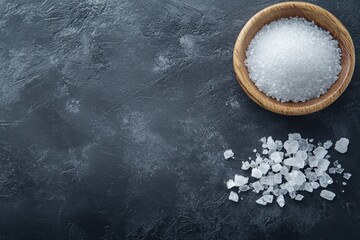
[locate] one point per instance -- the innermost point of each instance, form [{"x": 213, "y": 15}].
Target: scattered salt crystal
[
  {"x": 292, "y": 194},
  {"x": 328, "y": 195},
  {"x": 297, "y": 178},
  {"x": 277, "y": 178},
  {"x": 263, "y": 139},
  {"x": 328, "y": 144},
  {"x": 265, "y": 151},
  {"x": 230, "y": 184},
  {"x": 233, "y": 196},
  {"x": 339, "y": 170},
  {"x": 276, "y": 167},
  {"x": 279, "y": 144},
  {"x": 344, "y": 183},
  {"x": 271, "y": 143},
  {"x": 256, "y": 173},
  {"x": 261, "y": 201},
  {"x": 323, "y": 164},
  {"x": 320, "y": 152},
  {"x": 240, "y": 180},
  {"x": 268, "y": 198},
  {"x": 267, "y": 180},
  {"x": 277, "y": 157},
  {"x": 315, "y": 185},
  {"x": 342, "y": 145},
  {"x": 313, "y": 161},
  {"x": 280, "y": 200},
  {"x": 332, "y": 170},
  {"x": 303, "y": 145},
  {"x": 308, "y": 187},
  {"x": 228, "y": 154},
  {"x": 293, "y": 162},
  {"x": 311, "y": 140},
  {"x": 257, "y": 186},
  {"x": 299, "y": 197},
  {"x": 294, "y": 136},
  {"x": 301, "y": 155},
  {"x": 347, "y": 176},
  {"x": 245, "y": 165},
  {"x": 244, "y": 188},
  {"x": 264, "y": 168},
  {"x": 336, "y": 163},
  {"x": 254, "y": 150},
  {"x": 291, "y": 146}
]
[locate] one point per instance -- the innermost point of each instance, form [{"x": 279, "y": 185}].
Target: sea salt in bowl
[{"x": 321, "y": 18}]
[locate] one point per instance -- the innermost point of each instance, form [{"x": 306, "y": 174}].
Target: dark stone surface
[{"x": 114, "y": 116}]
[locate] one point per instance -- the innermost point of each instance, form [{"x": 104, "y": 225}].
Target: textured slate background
[{"x": 114, "y": 116}]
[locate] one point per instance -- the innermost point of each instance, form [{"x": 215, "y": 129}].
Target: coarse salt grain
[{"x": 292, "y": 59}]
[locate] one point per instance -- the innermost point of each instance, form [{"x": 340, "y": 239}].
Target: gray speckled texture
[{"x": 114, "y": 116}]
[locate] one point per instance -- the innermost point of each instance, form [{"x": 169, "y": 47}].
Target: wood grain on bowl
[{"x": 323, "y": 19}]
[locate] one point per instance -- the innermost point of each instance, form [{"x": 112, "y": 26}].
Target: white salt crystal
[
  {"x": 320, "y": 152},
  {"x": 313, "y": 161},
  {"x": 294, "y": 136},
  {"x": 303, "y": 144},
  {"x": 277, "y": 157},
  {"x": 284, "y": 170},
  {"x": 230, "y": 184},
  {"x": 280, "y": 200},
  {"x": 233, "y": 196},
  {"x": 292, "y": 194},
  {"x": 311, "y": 140},
  {"x": 279, "y": 144},
  {"x": 336, "y": 163},
  {"x": 267, "y": 180},
  {"x": 332, "y": 170},
  {"x": 271, "y": 143},
  {"x": 297, "y": 178},
  {"x": 244, "y": 188},
  {"x": 299, "y": 197},
  {"x": 263, "y": 139},
  {"x": 339, "y": 170},
  {"x": 328, "y": 144},
  {"x": 323, "y": 164},
  {"x": 261, "y": 201},
  {"x": 347, "y": 176},
  {"x": 308, "y": 187},
  {"x": 264, "y": 168},
  {"x": 293, "y": 60},
  {"x": 344, "y": 183},
  {"x": 256, "y": 173},
  {"x": 293, "y": 162},
  {"x": 291, "y": 146},
  {"x": 268, "y": 198},
  {"x": 254, "y": 150},
  {"x": 245, "y": 165},
  {"x": 240, "y": 180},
  {"x": 301, "y": 155},
  {"x": 342, "y": 145},
  {"x": 277, "y": 178},
  {"x": 228, "y": 154},
  {"x": 276, "y": 167},
  {"x": 265, "y": 151},
  {"x": 315, "y": 185},
  {"x": 257, "y": 186},
  {"x": 328, "y": 195}
]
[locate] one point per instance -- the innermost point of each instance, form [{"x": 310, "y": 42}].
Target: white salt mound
[{"x": 293, "y": 60}]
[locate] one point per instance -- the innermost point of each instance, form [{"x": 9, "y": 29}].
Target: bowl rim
[{"x": 290, "y": 108}]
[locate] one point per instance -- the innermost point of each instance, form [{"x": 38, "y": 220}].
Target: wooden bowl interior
[{"x": 321, "y": 18}]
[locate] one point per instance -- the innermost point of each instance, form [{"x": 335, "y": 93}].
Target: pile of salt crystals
[
  {"x": 288, "y": 168},
  {"x": 293, "y": 60}
]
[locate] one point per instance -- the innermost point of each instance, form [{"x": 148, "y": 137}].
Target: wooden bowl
[{"x": 311, "y": 12}]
